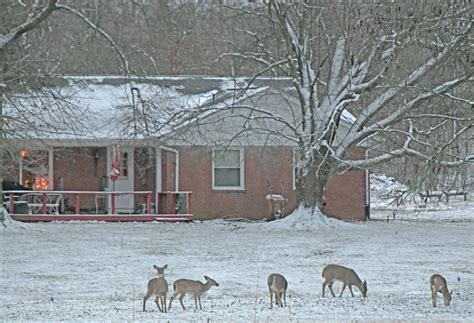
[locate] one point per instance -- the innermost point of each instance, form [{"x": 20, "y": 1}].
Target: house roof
[{"x": 119, "y": 108}]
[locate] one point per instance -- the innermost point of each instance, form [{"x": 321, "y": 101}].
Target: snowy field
[{"x": 99, "y": 271}]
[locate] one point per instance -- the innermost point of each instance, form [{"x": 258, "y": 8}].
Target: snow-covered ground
[
  {"x": 412, "y": 207},
  {"x": 99, "y": 271}
]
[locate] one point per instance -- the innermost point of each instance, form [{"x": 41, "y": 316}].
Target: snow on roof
[{"x": 115, "y": 107}]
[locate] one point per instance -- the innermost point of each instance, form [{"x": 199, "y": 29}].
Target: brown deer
[
  {"x": 347, "y": 276},
  {"x": 438, "y": 284},
  {"x": 157, "y": 286},
  {"x": 277, "y": 285},
  {"x": 195, "y": 287}
]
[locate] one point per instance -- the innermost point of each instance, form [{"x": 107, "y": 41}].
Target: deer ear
[
  {"x": 206, "y": 278},
  {"x": 155, "y": 266},
  {"x": 165, "y": 266}
]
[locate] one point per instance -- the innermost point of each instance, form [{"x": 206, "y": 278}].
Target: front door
[{"x": 124, "y": 183}]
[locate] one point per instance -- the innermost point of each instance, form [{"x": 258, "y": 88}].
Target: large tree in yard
[{"x": 385, "y": 62}]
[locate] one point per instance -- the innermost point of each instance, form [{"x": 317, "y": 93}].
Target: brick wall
[
  {"x": 266, "y": 169},
  {"x": 345, "y": 196},
  {"x": 79, "y": 170},
  {"x": 144, "y": 173},
  {"x": 263, "y": 167},
  {"x": 345, "y": 193}
]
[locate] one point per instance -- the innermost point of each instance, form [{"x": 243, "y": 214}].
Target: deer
[
  {"x": 438, "y": 284},
  {"x": 195, "y": 287},
  {"x": 277, "y": 285},
  {"x": 345, "y": 275},
  {"x": 157, "y": 286}
]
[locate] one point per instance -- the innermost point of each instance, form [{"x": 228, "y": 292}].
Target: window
[
  {"x": 124, "y": 165},
  {"x": 228, "y": 169}
]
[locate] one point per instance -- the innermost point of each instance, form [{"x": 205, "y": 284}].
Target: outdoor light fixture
[{"x": 24, "y": 154}]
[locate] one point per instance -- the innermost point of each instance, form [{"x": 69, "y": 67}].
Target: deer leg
[
  {"x": 284, "y": 296},
  {"x": 281, "y": 298},
  {"x": 195, "y": 301},
  {"x": 157, "y": 301},
  {"x": 324, "y": 286},
  {"x": 181, "y": 300},
  {"x": 271, "y": 298},
  {"x": 342, "y": 291},
  {"x": 433, "y": 298},
  {"x": 330, "y": 288},
  {"x": 350, "y": 289},
  {"x": 145, "y": 298},
  {"x": 171, "y": 301},
  {"x": 164, "y": 303},
  {"x": 199, "y": 299}
]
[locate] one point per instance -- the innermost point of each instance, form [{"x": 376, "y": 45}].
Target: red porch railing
[{"x": 49, "y": 206}]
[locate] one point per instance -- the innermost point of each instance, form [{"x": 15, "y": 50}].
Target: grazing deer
[
  {"x": 194, "y": 287},
  {"x": 157, "y": 286},
  {"x": 345, "y": 275},
  {"x": 438, "y": 284},
  {"x": 277, "y": 284}
]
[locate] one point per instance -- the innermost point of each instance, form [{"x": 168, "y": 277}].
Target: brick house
[{"x": 229, "y": 175}]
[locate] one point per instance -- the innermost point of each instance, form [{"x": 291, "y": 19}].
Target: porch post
[
  {"x": 157, "y": 178},
  {"x": 158, "y": 169},
  {"x": 21, "y": 171},
  {"x": 50, "y": 169}
]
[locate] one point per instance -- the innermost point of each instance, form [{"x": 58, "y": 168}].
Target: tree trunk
[{"x": 310, "y": 187}]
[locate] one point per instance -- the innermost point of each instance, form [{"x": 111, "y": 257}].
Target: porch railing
[{"x": 41, "y": 202}]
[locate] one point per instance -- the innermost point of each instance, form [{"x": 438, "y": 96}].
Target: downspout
[
  {"x": 367, "y": 188},
  {"x": 176, "y": 170}
]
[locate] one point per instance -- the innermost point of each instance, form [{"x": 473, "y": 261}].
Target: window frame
[
  {"x": 124, "y": 164},
  {"x": 241, "y": 168}
]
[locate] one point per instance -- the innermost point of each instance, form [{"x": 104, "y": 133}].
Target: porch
[{"x": 46, "y": 206}]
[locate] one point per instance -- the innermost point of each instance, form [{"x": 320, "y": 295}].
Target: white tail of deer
[
  {"x": 157, "y": 286},
  {"x": 277, "y": 285},
  {"x": 347, "y": 276},
  {"x": 196, "y": 288},
  {"x": 438, "y": 284}
]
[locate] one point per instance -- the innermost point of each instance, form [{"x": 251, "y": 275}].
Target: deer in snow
[
  {"x": 438, "y": 284},
  {"x": 277, "y": 285},
  {"x": 347, "y": 276},
  {"x": 195, "y": 287},
  {"x": 157, "y": 286}
]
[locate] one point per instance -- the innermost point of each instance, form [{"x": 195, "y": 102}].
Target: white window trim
[{"x": 242, "y": 171}]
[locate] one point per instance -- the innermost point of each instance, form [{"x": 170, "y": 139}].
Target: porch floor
[{"x": 103, "y": 217}]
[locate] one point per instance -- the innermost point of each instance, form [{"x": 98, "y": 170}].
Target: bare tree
[
  {"x": 25, "y": 61},
  {"x": 385, "y": 62}
]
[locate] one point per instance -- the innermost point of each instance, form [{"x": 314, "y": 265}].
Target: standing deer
[
  {"x": 157, "y": 286},
  {"x": 438, "y": 284},
  {"x": 277, "y": 285},
  {"x": 345, "y": 275},
  {"x": 194, "y": 287}
]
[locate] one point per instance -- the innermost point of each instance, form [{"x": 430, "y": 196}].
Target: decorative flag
[{"x": 115, "y": 170}]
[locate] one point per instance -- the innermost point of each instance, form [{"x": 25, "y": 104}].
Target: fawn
[
  {"x": 194, "y": 287},
  {"x": 438, "y": 284},
  {"x": 277, "y": 285},
  {"x": 157, "y": 286},
  {"x": 345, "y": 275}
]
